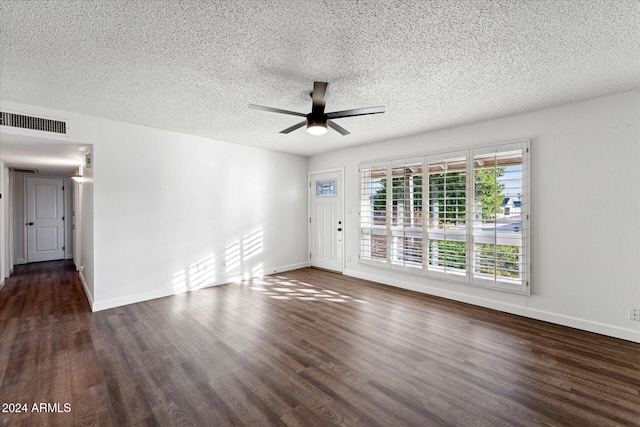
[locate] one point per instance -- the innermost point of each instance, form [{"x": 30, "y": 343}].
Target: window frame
[{"x": 471, "y": 274}]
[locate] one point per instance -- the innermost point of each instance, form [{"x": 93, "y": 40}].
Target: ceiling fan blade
[
  {"x": 319, "y": 94},
  {"x": 338, "y": 128},
  {"x": 355, "y": 112},
  {"x": 276, "y": 110},
  {"x": 294, "y": 127}
]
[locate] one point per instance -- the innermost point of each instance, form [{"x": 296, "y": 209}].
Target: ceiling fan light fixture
[
  {"x": 316, "y": 125},
  {"x": 317, "y": 129}
]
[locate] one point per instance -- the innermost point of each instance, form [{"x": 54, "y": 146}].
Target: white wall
[
  {"x": 585, "y": 184},
  {"x": 4, "y": 229},
  {"x": 165, "y": 203},
  {"x": 9, "y": 212},
  {"x": 85, "y": 253},
  {"x": 19, "y": 238},
  {"x": 68, "y": 213},
  {"x": 165, "y": 207}
]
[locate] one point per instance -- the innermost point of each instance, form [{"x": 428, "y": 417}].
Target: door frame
[{"x": 339, "y": 170}]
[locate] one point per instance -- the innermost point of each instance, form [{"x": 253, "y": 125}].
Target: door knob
[{"x": 29, "y": 223}]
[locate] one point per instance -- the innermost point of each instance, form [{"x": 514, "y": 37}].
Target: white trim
[
  {"x": 86, "y": 289},
  {"x": 3, "y": 281},
  {"x": 532, "y": 313},
  {"x": 146, "y": 296},
  {"x": 340, "y": 170},
  {"x": 289, "y": 267},
  {"x": 440, "y": 153}
]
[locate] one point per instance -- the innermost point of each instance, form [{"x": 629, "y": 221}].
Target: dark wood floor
[{"x": 302, "y": 348}]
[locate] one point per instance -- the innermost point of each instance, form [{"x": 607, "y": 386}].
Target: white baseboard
[
  {"x": 129, "y": 299},
  {"x": 289, "y": 267},
  {"x": 161, "y": 293},
  {"x": 2, "y": 282},
  {"x": 560, "y": 319},
  {"x": 86, "y": 289}
]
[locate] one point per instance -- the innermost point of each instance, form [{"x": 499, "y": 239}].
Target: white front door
[
  {"x": 326, "y": 220},
  {"x": 45, "y": 219}
]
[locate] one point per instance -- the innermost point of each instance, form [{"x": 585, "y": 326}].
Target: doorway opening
[{"x": 44, "y": 214}]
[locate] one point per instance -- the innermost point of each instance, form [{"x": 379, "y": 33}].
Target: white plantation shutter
[
  {"x": 447, "y": 231},
  {"x": 373, "y": 213},
  {"x": 460, "y": 216},
  {"x": 406, "y": 218},
  {"x": 500, "y": 217}
]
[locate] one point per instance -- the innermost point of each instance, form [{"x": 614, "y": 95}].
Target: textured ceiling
[{"x": 194, "y": 66}]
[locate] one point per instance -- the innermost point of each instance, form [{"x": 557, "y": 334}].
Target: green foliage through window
[
  {"x": 498, "y": 260},
  {"x": 448, "y": 196},
  {"x": 489, "y": 192},
  {"x": 447, "y": 254}
]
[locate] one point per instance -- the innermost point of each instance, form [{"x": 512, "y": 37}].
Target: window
[
  {"x": 498, "y": 247},
  {"x": 460, "y": 216},
  {"x": 326, "y": 188},
  {"x": 447, "y": 232},
  {"x": 406, "y": 215},
  {"x": 373, "y": 209}
]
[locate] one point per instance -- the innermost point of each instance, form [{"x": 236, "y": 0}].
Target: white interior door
[
  {"x": 326, "y": 220},
  {"x": 45, "y": 219}
]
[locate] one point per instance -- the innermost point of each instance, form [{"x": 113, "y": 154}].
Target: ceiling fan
[{"x": 317, "y": 120}]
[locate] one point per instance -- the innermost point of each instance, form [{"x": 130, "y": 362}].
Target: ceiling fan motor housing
[{"x": 316, "y": 120}]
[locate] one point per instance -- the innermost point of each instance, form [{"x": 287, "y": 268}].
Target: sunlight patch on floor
[{"x": 283, "y": 288}]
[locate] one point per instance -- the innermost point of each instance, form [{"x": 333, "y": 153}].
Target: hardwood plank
[{"x": 301, "y": 348}]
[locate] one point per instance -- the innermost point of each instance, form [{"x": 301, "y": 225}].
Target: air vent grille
[
  {"x": 34, "y": 123},
  {"x": 26, "y": 171}
]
